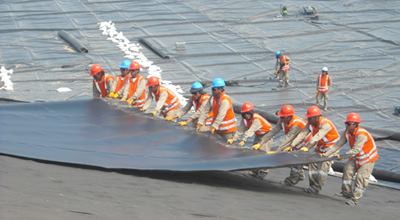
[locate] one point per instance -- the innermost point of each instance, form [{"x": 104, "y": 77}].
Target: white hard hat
[{"x": 325, "y": 69}]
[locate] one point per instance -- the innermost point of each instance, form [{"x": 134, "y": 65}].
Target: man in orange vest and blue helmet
[
  {"x": 224, "y": 121},
  {"x": 120, "y": 87},
  {"x": 364, "y": 154},
  {"x": 282, "y": 68}
]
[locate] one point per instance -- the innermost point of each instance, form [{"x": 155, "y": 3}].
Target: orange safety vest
[
  {"x": 228, "y": 125},
  {"x": 286, "y": 66},
  {"x": 102, "y": 85},
  {"x": 197, "y": 104},
  {"x": 330, "y": 138},
  {"x": 266, "y": 126},
  {"x": 297, "y": 121},
  {"x": 132, "y": 89},
  {"x": 172, "y": 101},
  {"x": 121, "y": 82},
  {"x": 369, "y": 152},
  {"x": 323, "y": 83}
]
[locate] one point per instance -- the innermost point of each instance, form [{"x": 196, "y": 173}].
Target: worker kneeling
[
  {"x": 253, "y": 123},
  {"x": 167, "y": 101}
]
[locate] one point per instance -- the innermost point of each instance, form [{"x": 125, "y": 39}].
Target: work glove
[
  {"x": 316, "y": 95},
  {"x": 271, "y": 152},
  {"x": 285, "y": 63},
  {"x": 256, "y": 146},
  {"x": 241, "y": 143},
  {"x": 212, "y": 129},
  {"x": 198, "y": 127},
  {"x": 143, "y": 110},
  {"x": 339, "y": 158},
  {"x": 322, "y": 154},
  {"x": 288, "y": 149},
  {"x": 153, "y": 112},
  {"x": 116, "y": 95},
  {"x": 111, "y": 95},
  {"x": 182, "y": 123},
  {"x": 169, "y": 118},
  {"x": 304, "y": 149},
  {"x": 230, "y": 141},
  {"x": 276, "y": 72},
  {"x": 123, "y": 99},
  {"x": 129, "y": 101}
]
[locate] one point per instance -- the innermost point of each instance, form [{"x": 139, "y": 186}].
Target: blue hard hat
[
  {"x": 196, "y": 87},
  {"x": 277, "y": 53},
  {"x": 218, "y": 82},
  {"x": 125, "y": 64}
]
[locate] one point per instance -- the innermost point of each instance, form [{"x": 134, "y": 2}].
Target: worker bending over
[
  {"x": 102, "y": 82},
  {"x": 137, "y": 86},
  {"x": 282, "y": 68},
  {"x": 120, "y": 87}
]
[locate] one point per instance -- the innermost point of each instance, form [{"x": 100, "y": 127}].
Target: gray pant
[
  {"x": 318, "y": 173},
  {"x": 171, "y": 113},
  {"x": 265, "y": 147},
  {"x": 319, "y": 98},
  {"x": 284, "y": 76},
  {"x": 296, "y": 175},
  {"x": 361, "y": 182},
  {"x": 226, "y": 136}
]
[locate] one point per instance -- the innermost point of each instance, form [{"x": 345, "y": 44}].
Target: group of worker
[
  {"x": 215, "y": 113},
  {"x": 324, "y": 81}
]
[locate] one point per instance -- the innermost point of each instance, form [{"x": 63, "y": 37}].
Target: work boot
[
  {"x": 261, "y": 174},
  {"x": 341, "y": 195},
  {"x": 351, "y": 202},
  {"x": 311, "y": 190},
  {"x": 325, "y": 109}
]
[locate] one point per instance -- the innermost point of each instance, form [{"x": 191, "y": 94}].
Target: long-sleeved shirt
[
  {"x": 325, "y": 128},
  {"x": 160, "y": 102},
  {"x": 96, "y": 93},
  {"x": 358, "y": 145},
  {"x": 291, "y": 135},
  {"x": 140, "y": 87},
  {"x": 187, "y": 107},
  {"x": 278, "y": 64},
  {"x": 124, "y": 91},
  {"x": 223, "y": 108},
  {"x": 329, "y": 83},
  {"x": 247, "y": 132}
]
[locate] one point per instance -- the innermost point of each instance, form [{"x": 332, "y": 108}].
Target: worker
[
  {"x": 167, "y": 101},
  {"x": 137, "y": 86},
  {"x": 120, "y": 87},
  {"x": 282, "y": 68},
  {"x": 224, "y": 121},
  {"x": 324, "y": 84},
  {"x": 363, "y": 153},
  {"x": 292, "y": 125},
  {"x": 102, "y": 82},
  {"x": 198, "y": 100},
  {"x": 253, "y": 123},
  {"x": 324, "y": 136}
]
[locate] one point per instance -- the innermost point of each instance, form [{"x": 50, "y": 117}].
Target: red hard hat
[
  {"x": 353, "y": 117},
  {"x": 95, "y": 69},
  {"x": 134, "y": 66},
  {"x": 286, "y": 111},
  {"x": 247, "y": 106},
  {"x": 153, "y": 81},
  {"x": 313, "y": 111}
]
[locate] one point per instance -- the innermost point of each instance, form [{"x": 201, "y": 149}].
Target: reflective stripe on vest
[
  {"x": 286, "y": 66},
  {"x": 368, "y": 153},
  {"x": 121, "y": 82},
  {"x": 102, "y": 85},
  {"x": 197, "y": 105},
  {"x": 132, "y": 90},
  {"x": 329, "y": 139},
  {"x": 323, "y": 83},
  {"x": 172, "y": 101},
  {"x": 228, "y": 124},
  {"x": 297, "y": 121},
  {"x": 265, "y": 125}
]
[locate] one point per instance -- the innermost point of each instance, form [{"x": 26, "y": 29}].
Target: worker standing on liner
[
  {"x": 224, "y": 121},
  {"x": 102, "y": 82},
  {"x": 282, "y": 68},
  {"x": 324, "y": 136},
  {"x": 137, "y": 86},
  {"x": 120, "y": 87},
  {"x": 292, "y": 125},
  {"x": 324, "y": 84},
  {"x": 167, "y": 101},
  {"x": 198, "y": 101},
  {"x": 364, "y": 154},
  {"x": 253, "y": 123}
]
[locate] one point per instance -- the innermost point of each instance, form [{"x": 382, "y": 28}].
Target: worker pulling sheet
[{"x": 92, "y": 132}]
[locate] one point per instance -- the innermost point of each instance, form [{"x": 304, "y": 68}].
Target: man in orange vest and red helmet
[
  {"x": 324, "y": 136},
  {"x": 324, "y": 84},
  {"x": 120, "y": 86},
  {"x": 224, "y": 121},
  {"x": 102, "y": 82},
  {"x": 253, "y": 123},
  {"x": 364, "y": 154},
  {"x": 167, "y": 101},
  {"x": 282, "y": 68},
  {"x": 198, "y": 101},
  {"x": 137, "y": 86},
  {"x": 292, "y": 126}
]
